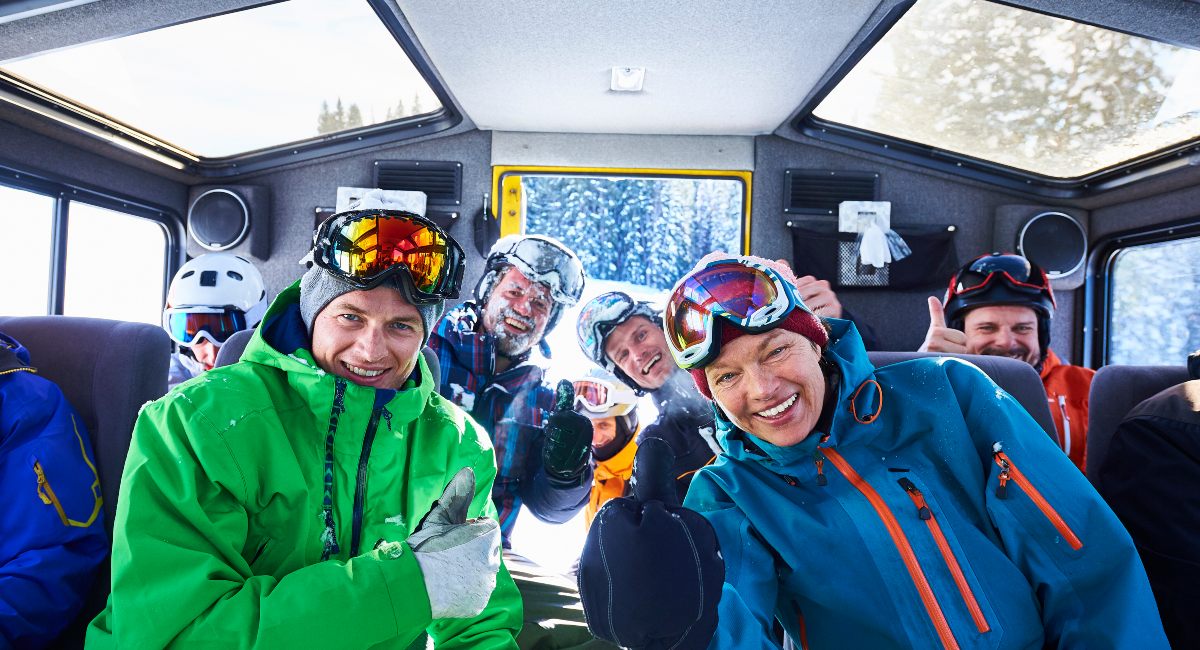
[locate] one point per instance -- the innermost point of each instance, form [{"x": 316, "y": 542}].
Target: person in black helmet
[{"x": 1001, "y": 304}]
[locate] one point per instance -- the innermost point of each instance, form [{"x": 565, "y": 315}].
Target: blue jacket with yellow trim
[
  {"x": 934, "y": 513},
  {"x": 52, "y": 520}
]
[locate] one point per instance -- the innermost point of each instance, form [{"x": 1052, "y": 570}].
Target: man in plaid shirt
[{"x": 484, "y": 348}]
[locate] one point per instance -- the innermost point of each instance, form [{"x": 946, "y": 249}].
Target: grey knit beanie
[{"x": 319, "y": 287}]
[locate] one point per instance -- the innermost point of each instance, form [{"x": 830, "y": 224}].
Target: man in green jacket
[{"x": 285, "y": 500}]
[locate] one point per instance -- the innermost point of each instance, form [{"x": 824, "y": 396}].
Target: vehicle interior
[{"x": 135, "y": 134}]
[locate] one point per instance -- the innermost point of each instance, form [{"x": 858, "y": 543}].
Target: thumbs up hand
[
  {"x": 663, "y": 559},
  {"x": 940, "y": 338},
  {"x": 568, "y": 438},
  {"x": 459, "y": 557}
]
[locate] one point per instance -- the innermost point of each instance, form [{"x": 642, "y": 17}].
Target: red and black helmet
[{"x": 1001, "y": 279}]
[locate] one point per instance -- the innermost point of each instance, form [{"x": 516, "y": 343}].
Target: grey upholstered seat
[
  {"x": 1017, "y": 378},
  {"x": 233, "y": 347},
  {"x": 1115, "y": 391},
  {"x": 107, "y": 370}
]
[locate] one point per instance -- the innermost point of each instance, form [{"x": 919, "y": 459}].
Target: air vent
[
  {"x": 440, "y": 181},
  {"x": 819, "y": 191}
]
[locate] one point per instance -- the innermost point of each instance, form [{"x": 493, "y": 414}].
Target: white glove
[{"x": 459, "y": 557}]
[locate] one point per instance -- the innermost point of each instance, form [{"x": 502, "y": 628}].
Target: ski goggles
[
  {"x": 602, "y": 397},
  {"x": 1013, "y": 270},
  {"x": 188, "y": 325},
  {"x": 753, "y": 296},
  {"x": 365, "y": 247}
]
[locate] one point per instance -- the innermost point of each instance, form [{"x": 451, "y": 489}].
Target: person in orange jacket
[
  {"x": 612, "y": 408},
  {"x": 1001, "y": 304}
]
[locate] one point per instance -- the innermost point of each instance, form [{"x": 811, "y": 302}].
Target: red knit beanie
[{"x": 800, "y": 321}]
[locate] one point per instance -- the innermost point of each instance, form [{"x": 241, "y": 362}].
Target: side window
[
  {"x": 27, "y": 221},
  {"x": 115, "y": 265},
  {"x": 1154, "y": 316}
]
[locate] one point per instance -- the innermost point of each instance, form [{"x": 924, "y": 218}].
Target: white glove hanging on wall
[
  {"x": 459, "y": 557},
  {"x": 873, "y": 247}
]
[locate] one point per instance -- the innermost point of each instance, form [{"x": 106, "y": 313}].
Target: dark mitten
[
  {"x": 568, "y": 437},
  {"x": 651, "y": 572}
]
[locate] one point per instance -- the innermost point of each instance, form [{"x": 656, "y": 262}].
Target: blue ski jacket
[
  {"x": 52, "y": 521},
  {"x": 934, "y": 513}
]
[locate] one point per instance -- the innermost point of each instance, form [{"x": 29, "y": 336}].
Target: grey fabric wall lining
[
  {"x": 900, "y": 318},
  {"x": 24, "y": 148},
  {"x": 296, "y": 192}
]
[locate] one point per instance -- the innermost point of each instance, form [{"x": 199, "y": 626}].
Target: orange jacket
[
  {"x": 1067, "y": 389},
  {"x": 610, "y": 478}
]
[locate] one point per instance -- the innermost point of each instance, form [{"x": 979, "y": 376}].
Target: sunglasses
[
  {"x": 599, "y": 396},
  {"x": 753, "y": 296},
  {"x": 188, "y": 325},
  {"x": 365, "y": 247}
]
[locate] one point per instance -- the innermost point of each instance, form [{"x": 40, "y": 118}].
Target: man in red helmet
[{"x": 1001, "y": 304}]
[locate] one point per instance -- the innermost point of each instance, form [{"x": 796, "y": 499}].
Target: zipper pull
[
  {"x": 923, "y": 510},
  {"x": 819, "y": 461},
  {"x": 1002, "y": 461},
  {"x": 789, "y": 479}
]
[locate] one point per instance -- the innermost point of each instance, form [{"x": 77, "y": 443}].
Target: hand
[
  {"x": 940, "y": 338},
  {"x": 459, "y": 557},
  {"x": 819, "y": 296},
  {"x": 658, "y": 557},
  {"x": 568, "y": 437}
]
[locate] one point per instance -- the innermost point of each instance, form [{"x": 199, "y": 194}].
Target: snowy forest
[
  {"x": 1155, "y": 317},
  {"x": 646, "y": 231}
]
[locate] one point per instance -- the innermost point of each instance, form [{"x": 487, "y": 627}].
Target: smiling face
[
  {"x": 516, "y": 312},
  {"x": 1003, "y": 331},
  {"x": 370, "y": 337},
  {"x": 769, "y": 385},
  {"x": 604, "y": 431},
  {"x": 639, "y": 348}
]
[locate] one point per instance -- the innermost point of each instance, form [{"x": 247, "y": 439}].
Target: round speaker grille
[
  {"x": 1055, "y": 242},
  {"x": 218, "y": 220}
]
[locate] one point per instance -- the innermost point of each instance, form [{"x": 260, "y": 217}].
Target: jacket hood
[
  {"x": 282, "y": 342},
  {"x": 13, "y": 355},
  {"x": 846, "y": 351}
]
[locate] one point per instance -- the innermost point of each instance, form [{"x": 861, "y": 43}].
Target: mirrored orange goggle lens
[{"x": 366, "y": 247}]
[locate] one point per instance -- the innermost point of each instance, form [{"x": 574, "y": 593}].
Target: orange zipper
[
  {"x": 906, "y": 553},
  {"x": 935, "y": 529},
  {"x": 803, "y": 628},
  {"x": 1009, "y": 471}
]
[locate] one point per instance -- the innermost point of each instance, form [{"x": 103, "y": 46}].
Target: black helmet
[{"x": 1001, "y": 279}]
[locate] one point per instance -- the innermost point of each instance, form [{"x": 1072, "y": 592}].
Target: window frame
[
  {"x": 1152, "y": 164},
  {"x": 511, "y": 218},
  {"x": 128, "y": 137},
  {"x": 64, "y": 192},
  {"x": 1097, "y": 308}
]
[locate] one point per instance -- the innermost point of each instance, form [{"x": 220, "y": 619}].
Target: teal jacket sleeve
[
  {"x": 1079, "y": 560},
  {"x": 748, "y": 597}
]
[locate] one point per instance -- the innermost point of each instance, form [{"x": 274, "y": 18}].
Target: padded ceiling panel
[{"x": 712, "y": 66}]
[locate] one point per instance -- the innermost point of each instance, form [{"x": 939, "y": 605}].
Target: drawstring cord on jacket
[{"x": 329, "y": 535}]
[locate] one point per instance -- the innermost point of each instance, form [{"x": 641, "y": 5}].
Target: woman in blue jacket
[{"x": 915, "y": 505}]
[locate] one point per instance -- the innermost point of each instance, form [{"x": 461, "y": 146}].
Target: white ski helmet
[
  {"x": 213, "y": 284},
  {"x": 540, "y": 259}
]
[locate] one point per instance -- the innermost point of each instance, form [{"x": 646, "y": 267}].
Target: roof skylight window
[
  {"x": 243, "y": 81},
  {"x": 1012, "y": 87}
]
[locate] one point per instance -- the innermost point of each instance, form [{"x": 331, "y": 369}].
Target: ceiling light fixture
[{"x": 627, "y": 80}]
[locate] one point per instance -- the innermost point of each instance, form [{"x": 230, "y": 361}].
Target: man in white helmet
[
  {"x": 543, "y": 447},
  {"x": 210, "y": 298}
]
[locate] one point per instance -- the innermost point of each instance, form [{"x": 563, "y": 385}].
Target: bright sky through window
[
  {"x": 1022, "y": 89},
  {"x": 246, "y": 80}
]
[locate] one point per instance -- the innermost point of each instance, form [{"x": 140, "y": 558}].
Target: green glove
[{"x": 568, "y": 447}]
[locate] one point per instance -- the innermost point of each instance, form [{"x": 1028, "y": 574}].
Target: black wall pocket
[{"x": 818, "y": 249}]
